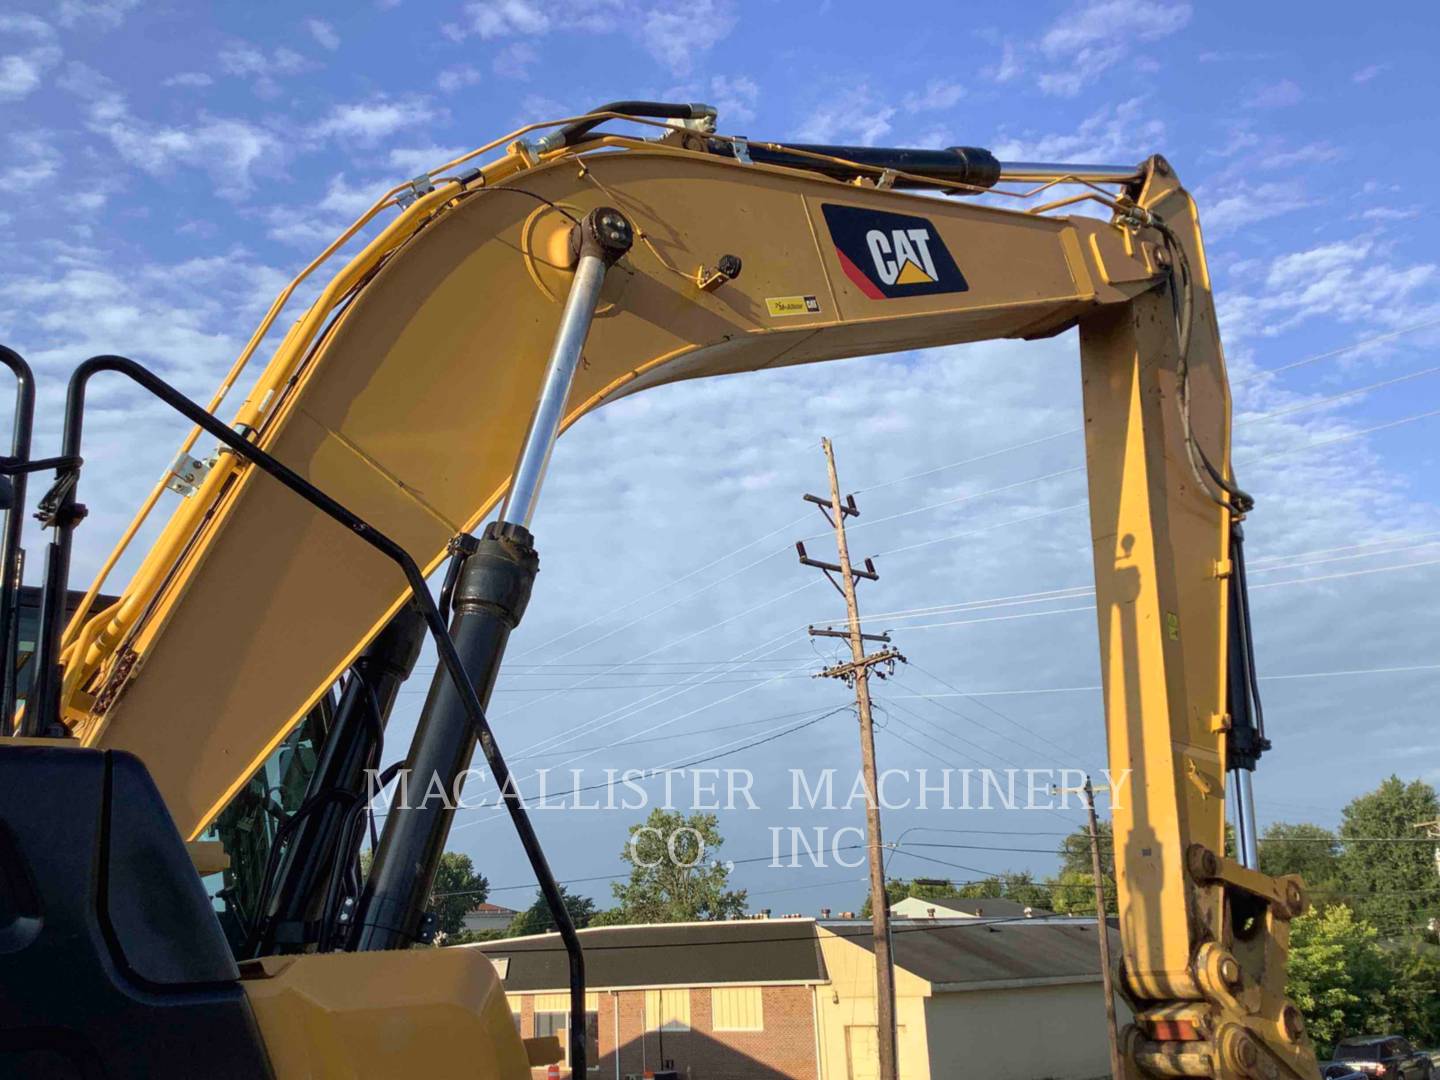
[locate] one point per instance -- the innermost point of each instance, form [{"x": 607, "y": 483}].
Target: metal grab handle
[
  {"x": 444, "y": 645},
  {"x": 11, "y": 557}
]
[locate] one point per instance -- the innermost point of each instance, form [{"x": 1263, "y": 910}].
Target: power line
[
  {"x": 1342, "y": 350},
  {"x": 989, "y": 708},
  {"x": 982, "y": 457},
  {"x": 1079, "y": 689},
  {"x": 1305, "y": 406}
]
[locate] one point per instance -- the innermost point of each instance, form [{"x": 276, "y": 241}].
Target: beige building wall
[
  {"x": 1031, "y": 1030},
  {"x": 911, "y": 908},
  {"x": 845, "y": 1016}
]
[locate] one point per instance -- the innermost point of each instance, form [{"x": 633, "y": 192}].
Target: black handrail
[
  {"x": 12, "y": 564},
  {"x": 65, "y": 518}
]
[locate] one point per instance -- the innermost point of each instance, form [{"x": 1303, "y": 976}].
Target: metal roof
[
  {"x": 961, "y": 952},
  {"x": 746, "y": 951}
]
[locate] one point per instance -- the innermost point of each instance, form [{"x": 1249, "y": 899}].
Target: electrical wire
[{"x": 1096, "y": 687}]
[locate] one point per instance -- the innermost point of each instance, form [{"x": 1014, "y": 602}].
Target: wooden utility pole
[
  {"x": 1103, "y": 928},
  {"x": 858, "y": 672}
]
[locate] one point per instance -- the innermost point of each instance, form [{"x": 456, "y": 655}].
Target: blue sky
[{"x": 169, "y": 167}]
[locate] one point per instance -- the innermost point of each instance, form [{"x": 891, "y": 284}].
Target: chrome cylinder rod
[
  {"x": 1041, "y": 171},
  {"x": 1246, "y": 829},
  {"x": 601, "y": 238}
]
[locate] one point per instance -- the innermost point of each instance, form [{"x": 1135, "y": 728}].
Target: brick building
[
  {"x": 717, "y": 999},
  {"x": 793, "y": 999}
]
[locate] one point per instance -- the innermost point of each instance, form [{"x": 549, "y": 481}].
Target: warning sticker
[{"x": 780, "y": 306}]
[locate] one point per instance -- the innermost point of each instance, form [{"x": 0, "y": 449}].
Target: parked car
[
  {"x": 1339, "y": 1070},
  {"x": 1386, "y": 1057}
]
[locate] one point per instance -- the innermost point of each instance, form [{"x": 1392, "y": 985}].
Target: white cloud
[
  {"x": 515, "y": 60},
  {"x": 414, "y": 160},
  {"x": 94, "y": 14},
  {"x": 264, "y": 70},
  {"x": 190, "y": 78},
  {"x": 1277, "y": 95},
  {"x": 1120, "y": 135},
  {"x": 1349, "y": 281},
  {"x": 1089, "y": 40},
  {"x": 672, "y": 31},
  {"x": 1368, "y": 72},
  {"x": 368, "y": 122},
  {"x": 938, "y": 94},
  {"x": 342, "y": 198},
  {"x": 323, "y": 33},
  {"x": 675, "y": 31},
  {"x": 734, "y": 98},
  {"x": 1237, "y": 205},
  {"x": 21, "y": 73},
  {"x": 30, "y": 159},
  {"x": 232, "y": 151},
  {"x": 501, "y": 18},
  {"x": 1315, "y": 153},
  {"x": 456, "y": 78},
  {"x": 22, "y": 25},
  {"x": 1008, "y": 68},
  {"x": 1390, "y": 213},
  {"x": 850, "y": 115}
]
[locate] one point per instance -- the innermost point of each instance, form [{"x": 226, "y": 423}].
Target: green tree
[
  {"x": 1386, "y": 877},
  {"x": 1075, "y": 853},
  {"x": 1072, "y": 890},
  {"x": 985, "y": 889},
  {"x": 614, "y": 916},
  {"x": 675, "y": 875},
  {"x": 1024, "y": 889},
  {"x": 457, "y": 889},
  {"x": 536, "y": 919},
  {"x": 1019, "y": 886},
  {"x": 1338, "y": 976},
  {"x": 897, "y": 889},
  {"x": 1308, "y": 850},
  {"x": 1414, "y": 1000}
]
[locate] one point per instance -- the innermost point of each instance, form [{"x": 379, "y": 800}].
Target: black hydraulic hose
[
  {"x": 1242, "y": 582},
  {"x": 57, "y": 569},
  {"x": 967, "y": 166},
  {"x": 652, "y": 110}
]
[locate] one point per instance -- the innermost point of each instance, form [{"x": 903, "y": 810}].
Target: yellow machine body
[{"x": 419, "y": 1012}]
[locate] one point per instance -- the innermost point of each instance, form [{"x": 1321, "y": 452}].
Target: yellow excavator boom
[{"x": 406, "y": 388}]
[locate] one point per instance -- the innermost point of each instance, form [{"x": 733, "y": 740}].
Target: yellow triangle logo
[{"x": 910, "y": 274}]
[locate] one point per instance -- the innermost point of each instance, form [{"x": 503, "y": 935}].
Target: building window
[
  {"x": 737, "y": 1008},
  {"x": 558, "y": 1024},
  {"x": 667, "y": 1010}
]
